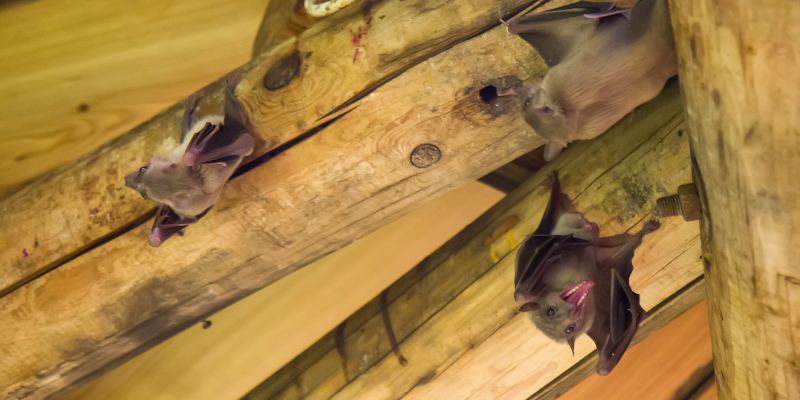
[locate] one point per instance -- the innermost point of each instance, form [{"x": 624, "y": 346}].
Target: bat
[
  {"x": 188, "y": 181},
  {"x": 604, "y": 61},
  {"x": 571, "y": 281}
]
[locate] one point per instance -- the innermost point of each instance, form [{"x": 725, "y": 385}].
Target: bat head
[
  {"x": 158, "y": 180},
  {"x": 575, "y": 224},
  {"x": 135, "y": 181},
  {"x": 542, "y": 112},
  {"x": 563, "y": 315}
]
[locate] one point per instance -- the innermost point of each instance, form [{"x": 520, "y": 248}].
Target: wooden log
[
  {"x": 343, "y": 58},
  {"x": 256, "y": 336},
  {"x": 454, "y": 315},
  {"x": 739, "y": 64},
  {"x": 283, "y": 19},
  {"x": 352, "y": 177},
  {"x": 90, "y": 71}
]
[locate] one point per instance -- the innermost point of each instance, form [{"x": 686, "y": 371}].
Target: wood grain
[
  {"x": 75, "y": 74},
  {"x": 739, "y": 63},
  {"x": 84, "y": 204},
  {"x": 321, "y": 194},
  {"x": 256, "y": 336},
  {"x": 454, "y": 314}
]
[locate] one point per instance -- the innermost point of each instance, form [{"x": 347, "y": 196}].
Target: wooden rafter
[
  {"x": 309, "y": 199},
  {"x": 454, "y": 317},
  {"x": 739, "y": 63}
]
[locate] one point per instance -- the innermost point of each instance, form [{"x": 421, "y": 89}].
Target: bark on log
[{"x": 739, "y": 63}]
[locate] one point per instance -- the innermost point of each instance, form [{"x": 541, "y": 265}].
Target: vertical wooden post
[{"x": 739, "y": 63}]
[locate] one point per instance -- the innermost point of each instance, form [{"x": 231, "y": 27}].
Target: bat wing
[
  {"x": 558, "y": 205},
  {"x": 222, "y": 144},
  {"x": 533, "y": 259},
  {"x": 615, "y": 257},
  {"x": 190, "y": 114},
  {"x": 625, "y": 314},
  {"x": 553, "y": 33},
  {"x": 168, "y": 223}
]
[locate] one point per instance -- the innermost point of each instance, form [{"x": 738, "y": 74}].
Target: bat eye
[
  {"x": 527, "y": 103},
  {"x": 144, "y": 195},
  {"x": 141, "y": 170},
  {"x": 569, "y": 329},
  {"x": 551, "y": 311}
]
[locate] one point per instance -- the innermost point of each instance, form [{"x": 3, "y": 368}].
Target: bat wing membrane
[{"x": 553, "y": 33}]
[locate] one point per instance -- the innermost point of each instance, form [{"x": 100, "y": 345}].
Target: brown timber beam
[
  {"x": 342, "y": 58},
  {"x": 739, "y": 64},
  {"x": 310, "y": 198},
  {"x": 454, "y": 318}
]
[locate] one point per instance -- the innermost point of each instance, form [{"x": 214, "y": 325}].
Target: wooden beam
[
  {"x": 344, "y": 57},
  {"x": 282, "y": 20},
  {"x": 454, "y": 315},
  {"x": 739, "y": 63},
  {"x": 256, "y": 336},
  {"x": 90, "y": 71},
  {"x": 123, "y": 297}
]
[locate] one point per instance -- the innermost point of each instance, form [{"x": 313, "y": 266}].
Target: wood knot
[
  {"x": 425, "y": 155},
  {"x": 283, "y": 71}
]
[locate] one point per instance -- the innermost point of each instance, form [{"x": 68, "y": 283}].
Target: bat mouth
[{"x": 577, "y": 295}]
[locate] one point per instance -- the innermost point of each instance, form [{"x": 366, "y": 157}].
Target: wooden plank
[
  {"x": 740, "y": 70},
  {"x": 454, "y": 315},
  {"x": 344, "y": 57},
  {"x": 256, "y": 336},
  {"x": 75, "y": 74},
  {"x": 321, "y": 194}
]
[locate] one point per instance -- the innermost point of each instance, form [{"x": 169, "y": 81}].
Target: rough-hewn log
[
  {"x": 259, "y": 334},
  {"x": 739, "y": 63},
  {"x": 321, "y": 194},
  {"x": 283, "y": 19},
  {"x": 344, "y": 57},
  {"x": 454, "y": 315}
]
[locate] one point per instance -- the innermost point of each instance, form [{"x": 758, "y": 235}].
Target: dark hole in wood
[
  {"x": 488, "y": 94},
  {"x": 283, "y": 71}
]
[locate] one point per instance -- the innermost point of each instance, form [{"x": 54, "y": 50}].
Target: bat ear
[
  {"x": 551, "y": 150},
  {"x": 529, "y": 307},
  {"x": 571, "y": 343}
]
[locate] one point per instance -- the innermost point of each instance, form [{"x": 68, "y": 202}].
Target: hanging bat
[
  {"x": 571, "y": 281},
  {"x": 189, "y": 180},
  {"x": 604, "y": 61}
]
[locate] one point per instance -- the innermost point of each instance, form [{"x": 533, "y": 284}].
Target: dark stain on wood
[
  {"x": 716, "y": 97},
  {"x": 387, "y": 323},
  {"x": 424, "y": 380},
  {"x": 339, "y": 341},
  {"x": 696, "y": 44},
  {"x": 283, "y": 71}
]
